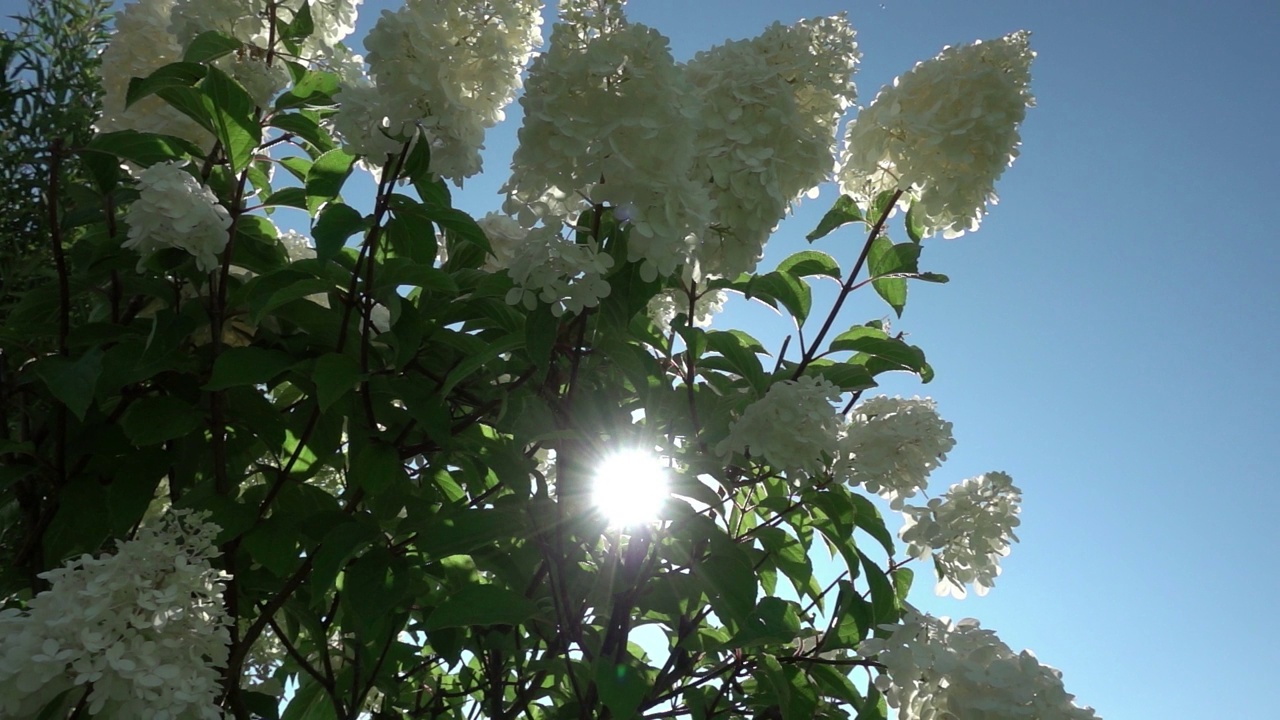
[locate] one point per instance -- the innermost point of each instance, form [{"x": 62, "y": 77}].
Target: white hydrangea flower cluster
[
  {"x": 966, "y": 531},
  {"x": 566, "y": 275},
  {"x": 610, "y": 120},
  {"x": 141, "y": 45},
  {"x": 794, "y": 427},
  {"x": 174, "y": 209},
  {"x": 249, "y": 20},
  {"x": 767, "y": 130},
  {"x": 506, "y": 237},
  {"x": 145, "y": 628},
  {"x": 447, "y": 67},
  {"x": 664, "y": 307},
  {"x": 944, "y": 132},
  {"x": 892, "y": 444},
  {"x": 936, "y": 670},
  {"x": 589, "y": 18}
]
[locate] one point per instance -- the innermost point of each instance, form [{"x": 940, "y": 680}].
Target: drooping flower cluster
[
  {"x": 936, "y": 670},
  {"x": 966, "y": 531},
  {"x": 664, "y": 307},
  {"x": 766, "y": 133},
  {"x": 142, "y": 44},
  {"x": 944, "y": 133},
  {"x": 174, "y": 210},
  {"x": 793, "y": 427},
  {"x": 566, "y": 275},
  {"x": 249, "y": 20},
  {"x": 610, "y": 121},
  {"x": 892, "y": 444},
  {"x": 144, "y": 628},
  {"x": 446, "y": 67}
]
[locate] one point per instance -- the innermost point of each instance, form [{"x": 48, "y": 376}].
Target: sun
[{"x": 629, "y": 488}]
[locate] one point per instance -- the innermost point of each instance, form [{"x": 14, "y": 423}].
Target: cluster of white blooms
[
  {"x": 936, "y": 670},
  {"x": 794, "y": 427},
  {"x": 141, "y": 45},
  {"x": 967, "y": 531},
  {"x": 445, "y": 67},
  {"x": 588, "y": 18},
  {"x": 892, "y": 444},
  {"x": 944, "y": 132},
  {"x": 144, "y": 628},
  {"x": 566, "y": 275},
  {"x": 664, "y": 307},
  {"x": 766, "y": 133},
  {"x": 249, "y": 21},
  {"x": 610, "y": 121},
  {"x": 174, "y": 210},
  {"x": 506, "y": 237}
]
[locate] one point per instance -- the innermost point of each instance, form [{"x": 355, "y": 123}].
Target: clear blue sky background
[{"x": 1108, "y": 337}]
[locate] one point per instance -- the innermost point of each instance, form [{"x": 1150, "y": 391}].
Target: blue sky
[{"x": 1108, "y": 336}]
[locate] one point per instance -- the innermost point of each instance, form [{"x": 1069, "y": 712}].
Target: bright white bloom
[
  {"x": 248, "y": 21},
  {"x": 610, "y": 121},
  {"x": 141, "y": 45},
  {"x": 967, "y": 531},
  {"x": 506, "y": 237},
  {"x": 174, "y": 210},
  {"x": 937, "y": 670},
  {"x": 589, "y": 18},
  {"x": 146, "y": 626},
  {"x": 664, "y": 307},
  {"x": 447, "y": 67},
  {"x": 944, "y": 132},
  {"x": 767, "y": 130},
  {"x": 566, "y": 275},
  {"x": 892, "y": 444},
  {"x": 793, "y": 427}
]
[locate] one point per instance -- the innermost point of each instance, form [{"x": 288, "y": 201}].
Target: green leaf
[
  {"x": 302, "y": 24},
  {"x": 847, "y": 376},
  {"x": 372, "y": 586},
  {"x": 173, "y": 75},
  {"x": 142, "y": 149},
  {"x": 474, "y": 362},
  {"x": 340, "y": 544},
  {"x": 334, "y": 375},
  {"x": 210, "y": 45},
  {"x": 377, "y": 467},
  {"x": 729, "y": 581},
  {"x": 247, "y": 366},
  {"x": 189, "y": 101},
  {"x": 739, "y": 349},
  {"x": 294, "y": 197},
  {"x": 305, "y": 128},
  {"x": 621, "y": 688},
  {"x": 902, "y": 578},
  {"x": 844, "y": 211},
  {"x": 158, "y": 418},
  {"x": 794, "y": 294},
  {"x": 915, "y": 225},
  {"x": 336, "y": 223},
  {"x": 880, "y": 353},
  {"x": 886, "y": 260},
  {"x": 72, "y": 382},
  {"x": 315, "y": 88},
  {"x": 867, "y": 516},
  {"x": 326, "y": 177},
  {"x": 464, "y": 531},
  {"x": 810, "y": 262},
  {"x": 232, "y": 110},
  {"x": 482, "y": 605},
  {"x": 775, "y": 621},
  {"x": 884, "y": 598},
  {"x": 785, "y": 549}
]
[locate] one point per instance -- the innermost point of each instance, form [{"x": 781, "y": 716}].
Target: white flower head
[
  {"x": 145, "y": 625},
  {"x": 506, "y": 236},
  {"x": 933, "y": 669},
  {"x": 664, "y": 307},
  {"x": 966, "y": 531},
  {"x": 610, "y": 122},
  {"x": 794, "y": 427},
  {"x": 444, "y": 69},
  {"x": 141, "y": 45},
  {"x": 943, "y": 132},
  {"x": 767, "y": 128},
  {"x": 892, "y": 444},
  {"x": 174, "y": 210},
  {"x": 566, "y": 275}
]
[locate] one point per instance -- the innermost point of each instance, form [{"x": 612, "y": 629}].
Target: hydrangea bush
[{"x": 268, "y": 453}]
